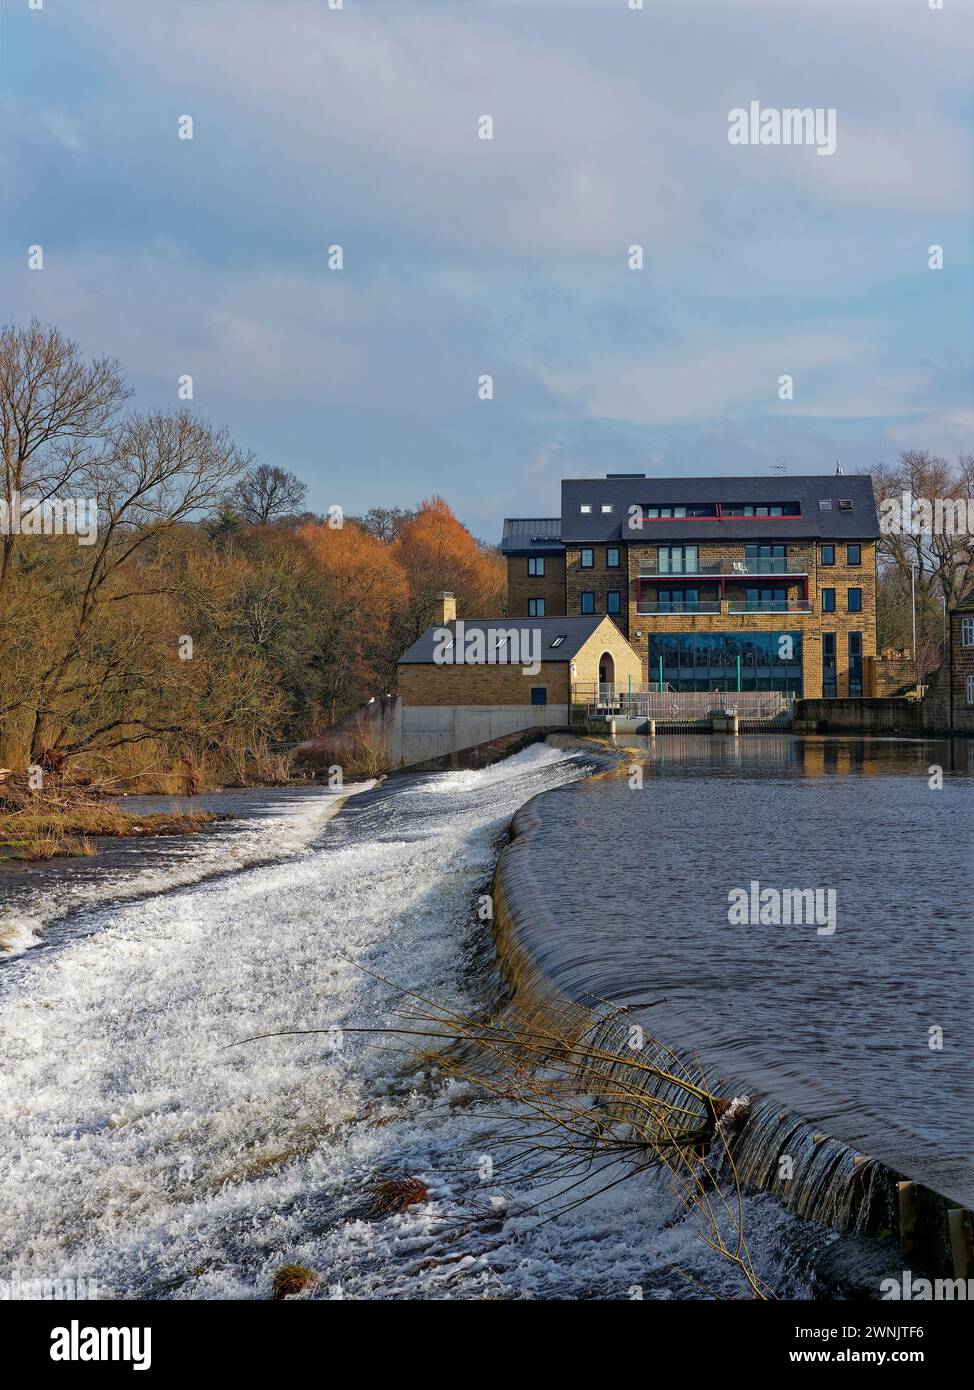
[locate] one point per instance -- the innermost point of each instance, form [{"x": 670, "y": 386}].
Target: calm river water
[{"x": 845, "y": 1025}]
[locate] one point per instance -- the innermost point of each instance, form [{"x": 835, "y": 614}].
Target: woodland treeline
[
  {"x": 931, "y": 568},
  {"x": 212, "y": 617}
]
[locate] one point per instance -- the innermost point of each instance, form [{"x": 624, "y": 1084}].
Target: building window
[
  {"x": 967, "y": 632},
  {"x": 853, "y": 554},
  {"x": 828, "y": 600},
  {"x": 536, "y": 566},
  {"x": 854, "y": 600},
  {"x": 970, "y": 690},
  {"x": 539, "y": 694},
  {"x": 728, "y": 661},
  {"x": 612, "y": 558},
  {"x": 587, "y": 560},
  {"x": 588, "y": 601},
  {"x": 678, "y": 600},
  {"x": 828, "y": 554},
  {"x": 606, "y": 508},
  {"x": 766, "y": 600},
  {"x": 829, "y": 685},
  {"x": 765, "y": 559},
  {"x": 535, "y": 607},
  {"x": 614, "y": 601},
  {"x": 750, "y": 509},
  {"x": 855, "y": 664},
  {"x": 558, "y": 640},
  {"x": 677, "y": 559},
  {"x": 585, "y": 508}
]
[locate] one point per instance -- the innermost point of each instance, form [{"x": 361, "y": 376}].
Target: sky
[{"x": 464, "y": 257}]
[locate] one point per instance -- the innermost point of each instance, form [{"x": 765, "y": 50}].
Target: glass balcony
[
  {"x": 731, "y": 568},
  {"x": 647, "y": 608},
  {"x": 770, "y": 605}
]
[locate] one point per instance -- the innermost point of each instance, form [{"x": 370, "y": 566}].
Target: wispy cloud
[{"x": 509, "y": 256}]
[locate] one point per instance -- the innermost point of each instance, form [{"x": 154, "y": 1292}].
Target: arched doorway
[{"x": 607, "y": 676}]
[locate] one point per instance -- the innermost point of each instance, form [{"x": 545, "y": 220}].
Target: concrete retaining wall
[
  {"x": 889, "y": 716},
  {"x": 430, "y": 731}
]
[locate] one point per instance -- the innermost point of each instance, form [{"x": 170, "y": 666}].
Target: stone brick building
[
  {"x": 949, "y": 704},
  {"x": 532, "y": 663},
  {"x": 738, "y": 583}
]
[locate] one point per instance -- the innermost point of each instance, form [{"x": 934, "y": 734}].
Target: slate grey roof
[
  {"x": 860, "y": 522},
  {"x": 965, "y": 603},
  {"x": 532, "y": 536},
  {"x": 576, "y": 632}
]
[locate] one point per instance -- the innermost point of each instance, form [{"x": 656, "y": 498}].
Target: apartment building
[{"x": 731, "y": 584}]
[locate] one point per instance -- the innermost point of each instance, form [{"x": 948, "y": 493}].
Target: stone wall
[
  {"x": 521, "y": 586},
  {"x": 431, "y": 684},
  {"x": 864, "y": 716},
  {"x": 607, "y": 639},
  {"x": 598, "y": 580},
  {"x": 945, "y": 707},
  {"x": 889, "y": 674}
]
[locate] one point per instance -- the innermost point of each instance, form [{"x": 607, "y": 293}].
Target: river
[{"x": 146, "y": 1147}]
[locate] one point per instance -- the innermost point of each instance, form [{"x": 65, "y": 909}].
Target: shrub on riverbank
[{"x": 62, "y": 818}]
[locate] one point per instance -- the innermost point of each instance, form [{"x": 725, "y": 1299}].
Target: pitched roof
[
  {"x": 575, "y": 632},
  {"x": 531, "y": 535},
  {"x": 834, "y": 522},
  {"x": 965, "y": 603}
]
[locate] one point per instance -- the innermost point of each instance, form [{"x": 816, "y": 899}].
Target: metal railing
[
  {"x": 731, "y": 568},
  {"x": 590, "y": 692},
  {"x": 649, "y": 608},
  {"x": 694, "y": 706},
  {"x": 772, "y": 605}
]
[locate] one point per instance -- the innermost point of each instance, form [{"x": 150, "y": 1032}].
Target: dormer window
[
  {"x": 845, "y": 504},
  {"x": 825, "y": 504},
  {"x": 585, "y": 508},
  {"x": 606, "y": 508}
]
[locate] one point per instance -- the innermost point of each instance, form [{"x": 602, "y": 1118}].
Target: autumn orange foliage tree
[
  {"x": 361, "y": 590},
  {"x": 438, "y": 553},
  {"x": 185, "y": 642},
  {"x": 380, "y": 594}
]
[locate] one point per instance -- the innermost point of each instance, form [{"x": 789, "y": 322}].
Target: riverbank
[{"x": 50, "y": 832}]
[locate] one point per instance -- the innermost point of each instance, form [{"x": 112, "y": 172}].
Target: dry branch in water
[{"x": 579, "y": 1102}]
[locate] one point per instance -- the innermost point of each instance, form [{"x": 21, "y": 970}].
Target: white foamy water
[
  {"x": 29, "y": 907},
  {"x": 139, "y": 1148}
]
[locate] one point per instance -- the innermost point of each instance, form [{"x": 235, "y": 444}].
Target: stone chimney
[{"x": 444, "y": 610}]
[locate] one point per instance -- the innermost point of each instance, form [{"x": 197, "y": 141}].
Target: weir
[{"x": 817, "y": 1176}]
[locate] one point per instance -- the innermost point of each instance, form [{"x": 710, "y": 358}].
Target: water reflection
[{"x": 633, "y": 887}]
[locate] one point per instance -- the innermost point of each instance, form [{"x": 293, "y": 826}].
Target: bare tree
[
  {"x": 941, "y": 560},
  {"x": 267, "y": 493},
  {"x": 928, "y": 569},
  {"x": 155, "y": 472},
  {"x": 54, "y": 411},
  {"x": 385, "y": 523}
]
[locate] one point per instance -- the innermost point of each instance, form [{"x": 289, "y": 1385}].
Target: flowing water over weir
[
  {"x": 140, "y": 1148},
  {"x": 841, "y": 1039}
]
